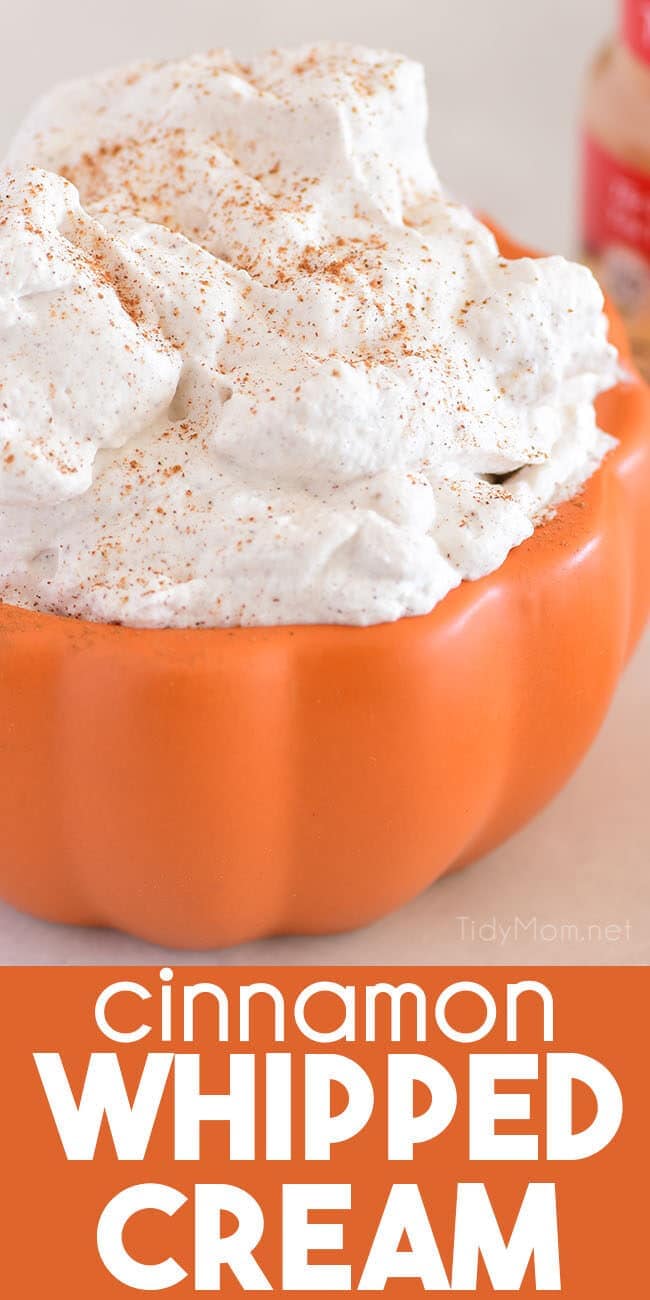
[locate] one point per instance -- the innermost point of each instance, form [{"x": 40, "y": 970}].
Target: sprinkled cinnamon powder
[{"x": 256, "y": 366}]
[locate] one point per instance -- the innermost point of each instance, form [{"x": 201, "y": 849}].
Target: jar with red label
[{"x": 616, "y": 172}]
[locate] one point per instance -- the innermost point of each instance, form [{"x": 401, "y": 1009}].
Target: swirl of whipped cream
[{"x": 257, "y": 367}]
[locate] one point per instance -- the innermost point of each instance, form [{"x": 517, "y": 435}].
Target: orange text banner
[{"x": 374, "y": 1130}]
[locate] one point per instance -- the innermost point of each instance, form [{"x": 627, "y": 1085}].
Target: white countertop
[{"x": 504, "y": 78}]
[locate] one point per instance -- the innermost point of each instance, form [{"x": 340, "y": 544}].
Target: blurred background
[
  {"x": 505, "y": 84},
  {"x": 504, "y": 76}
]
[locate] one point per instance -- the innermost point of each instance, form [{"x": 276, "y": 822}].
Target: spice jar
[{"x": 616, "y": 173}]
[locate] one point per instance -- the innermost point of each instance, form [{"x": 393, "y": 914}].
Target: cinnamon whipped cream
[{"x": 257, "y": 367}]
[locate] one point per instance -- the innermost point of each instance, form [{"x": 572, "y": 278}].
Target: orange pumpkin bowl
[{"x": 202, "y": 787}]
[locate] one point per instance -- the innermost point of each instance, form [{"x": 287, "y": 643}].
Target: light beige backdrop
[
  {"x": 504, "y": 81},
  {"x": 504, "y": 75}
]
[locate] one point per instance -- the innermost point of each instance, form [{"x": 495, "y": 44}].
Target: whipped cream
[{"x": 257, "y": 367}]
